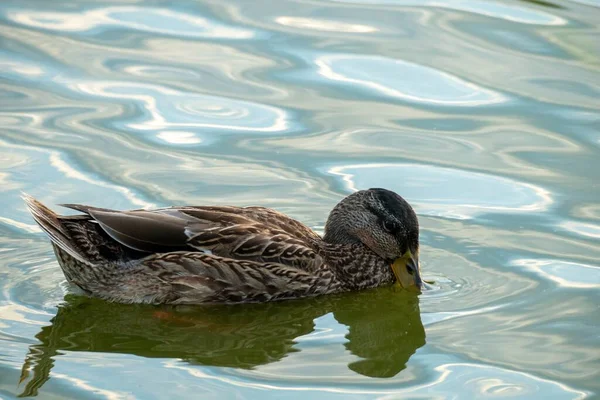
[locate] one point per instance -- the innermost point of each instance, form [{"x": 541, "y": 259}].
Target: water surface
[{"x": 485, "y": 115}]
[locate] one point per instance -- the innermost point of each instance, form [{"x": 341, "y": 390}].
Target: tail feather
[
  {"x": 83, "y": 208},
  {"x": 49, "y": 222}
]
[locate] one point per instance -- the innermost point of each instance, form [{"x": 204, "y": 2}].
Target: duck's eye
[{"x": 390, "y": 226}]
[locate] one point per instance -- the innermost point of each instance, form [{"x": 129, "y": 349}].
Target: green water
[{"x": 485, "y": 115}]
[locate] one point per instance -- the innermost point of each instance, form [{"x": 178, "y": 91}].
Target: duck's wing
[
  {"x": 252, "y": 233},
  {"x": 270, "y": 217}
]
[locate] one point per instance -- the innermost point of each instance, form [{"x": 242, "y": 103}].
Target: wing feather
[{"x": 252, "y": 233}]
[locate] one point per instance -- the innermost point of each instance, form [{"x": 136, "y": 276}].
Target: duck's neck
[
  {"x": 336, "y": 235},
  {"x": 337, "y": 227},
  {"x": 356, "y": 266}
]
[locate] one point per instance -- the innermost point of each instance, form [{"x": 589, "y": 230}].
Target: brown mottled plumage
[{"x": 188, "y": 255}]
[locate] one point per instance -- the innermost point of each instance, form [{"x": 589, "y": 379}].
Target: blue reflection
[
  {"x": 447, "y": 192},
  {"x": 156, "y": 20},
  {"x": 564, "y": 273},
  {"x": 171, "y": 113},
  {"x": 404, "y": 80}
]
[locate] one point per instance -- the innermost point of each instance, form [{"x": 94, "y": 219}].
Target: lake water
[{"x": 485, "y": 115}]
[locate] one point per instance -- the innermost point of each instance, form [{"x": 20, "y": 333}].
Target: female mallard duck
[{"x": 190, "y": 255}]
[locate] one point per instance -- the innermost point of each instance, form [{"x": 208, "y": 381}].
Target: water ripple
[
  {"x": 148, "y": 19},
  {"x": 323, "y": 25},
  {"x": 404, "y": 80},
  {"x": 166, "y": 108},
  {"x": 508, "y": 12},
  {"x": 583, "y": 229},
  {"x": 563, "y": 273},
  {"x": 446, "y": 192}
]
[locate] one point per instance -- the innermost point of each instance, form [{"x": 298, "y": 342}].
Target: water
[{"x": 485, "y": 115}]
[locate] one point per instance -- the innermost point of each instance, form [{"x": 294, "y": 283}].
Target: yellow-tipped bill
[{"x": 406, "y": 270}]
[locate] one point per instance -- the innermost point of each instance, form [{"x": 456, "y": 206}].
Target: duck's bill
[{"x": 406, "y": 270}]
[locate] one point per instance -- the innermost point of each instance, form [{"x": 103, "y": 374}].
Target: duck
[{"x": 229, "y": 254}]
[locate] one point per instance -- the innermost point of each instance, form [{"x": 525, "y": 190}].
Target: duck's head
[{"x": 385, "y": 223}]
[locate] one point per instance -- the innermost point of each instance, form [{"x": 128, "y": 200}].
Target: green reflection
[
  {"x": 384, "y": 330},
  {"x": 544, "y": 3}
]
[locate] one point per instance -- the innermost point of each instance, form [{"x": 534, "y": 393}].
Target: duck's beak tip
[{"x": 406, "y": 270}]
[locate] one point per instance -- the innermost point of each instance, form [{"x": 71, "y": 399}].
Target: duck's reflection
[{"x": 384, "y": 330}]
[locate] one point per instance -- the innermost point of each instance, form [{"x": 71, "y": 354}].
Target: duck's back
[
  {"x": 240, "y": 251},
  {"x": 252, "y": 233}
]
